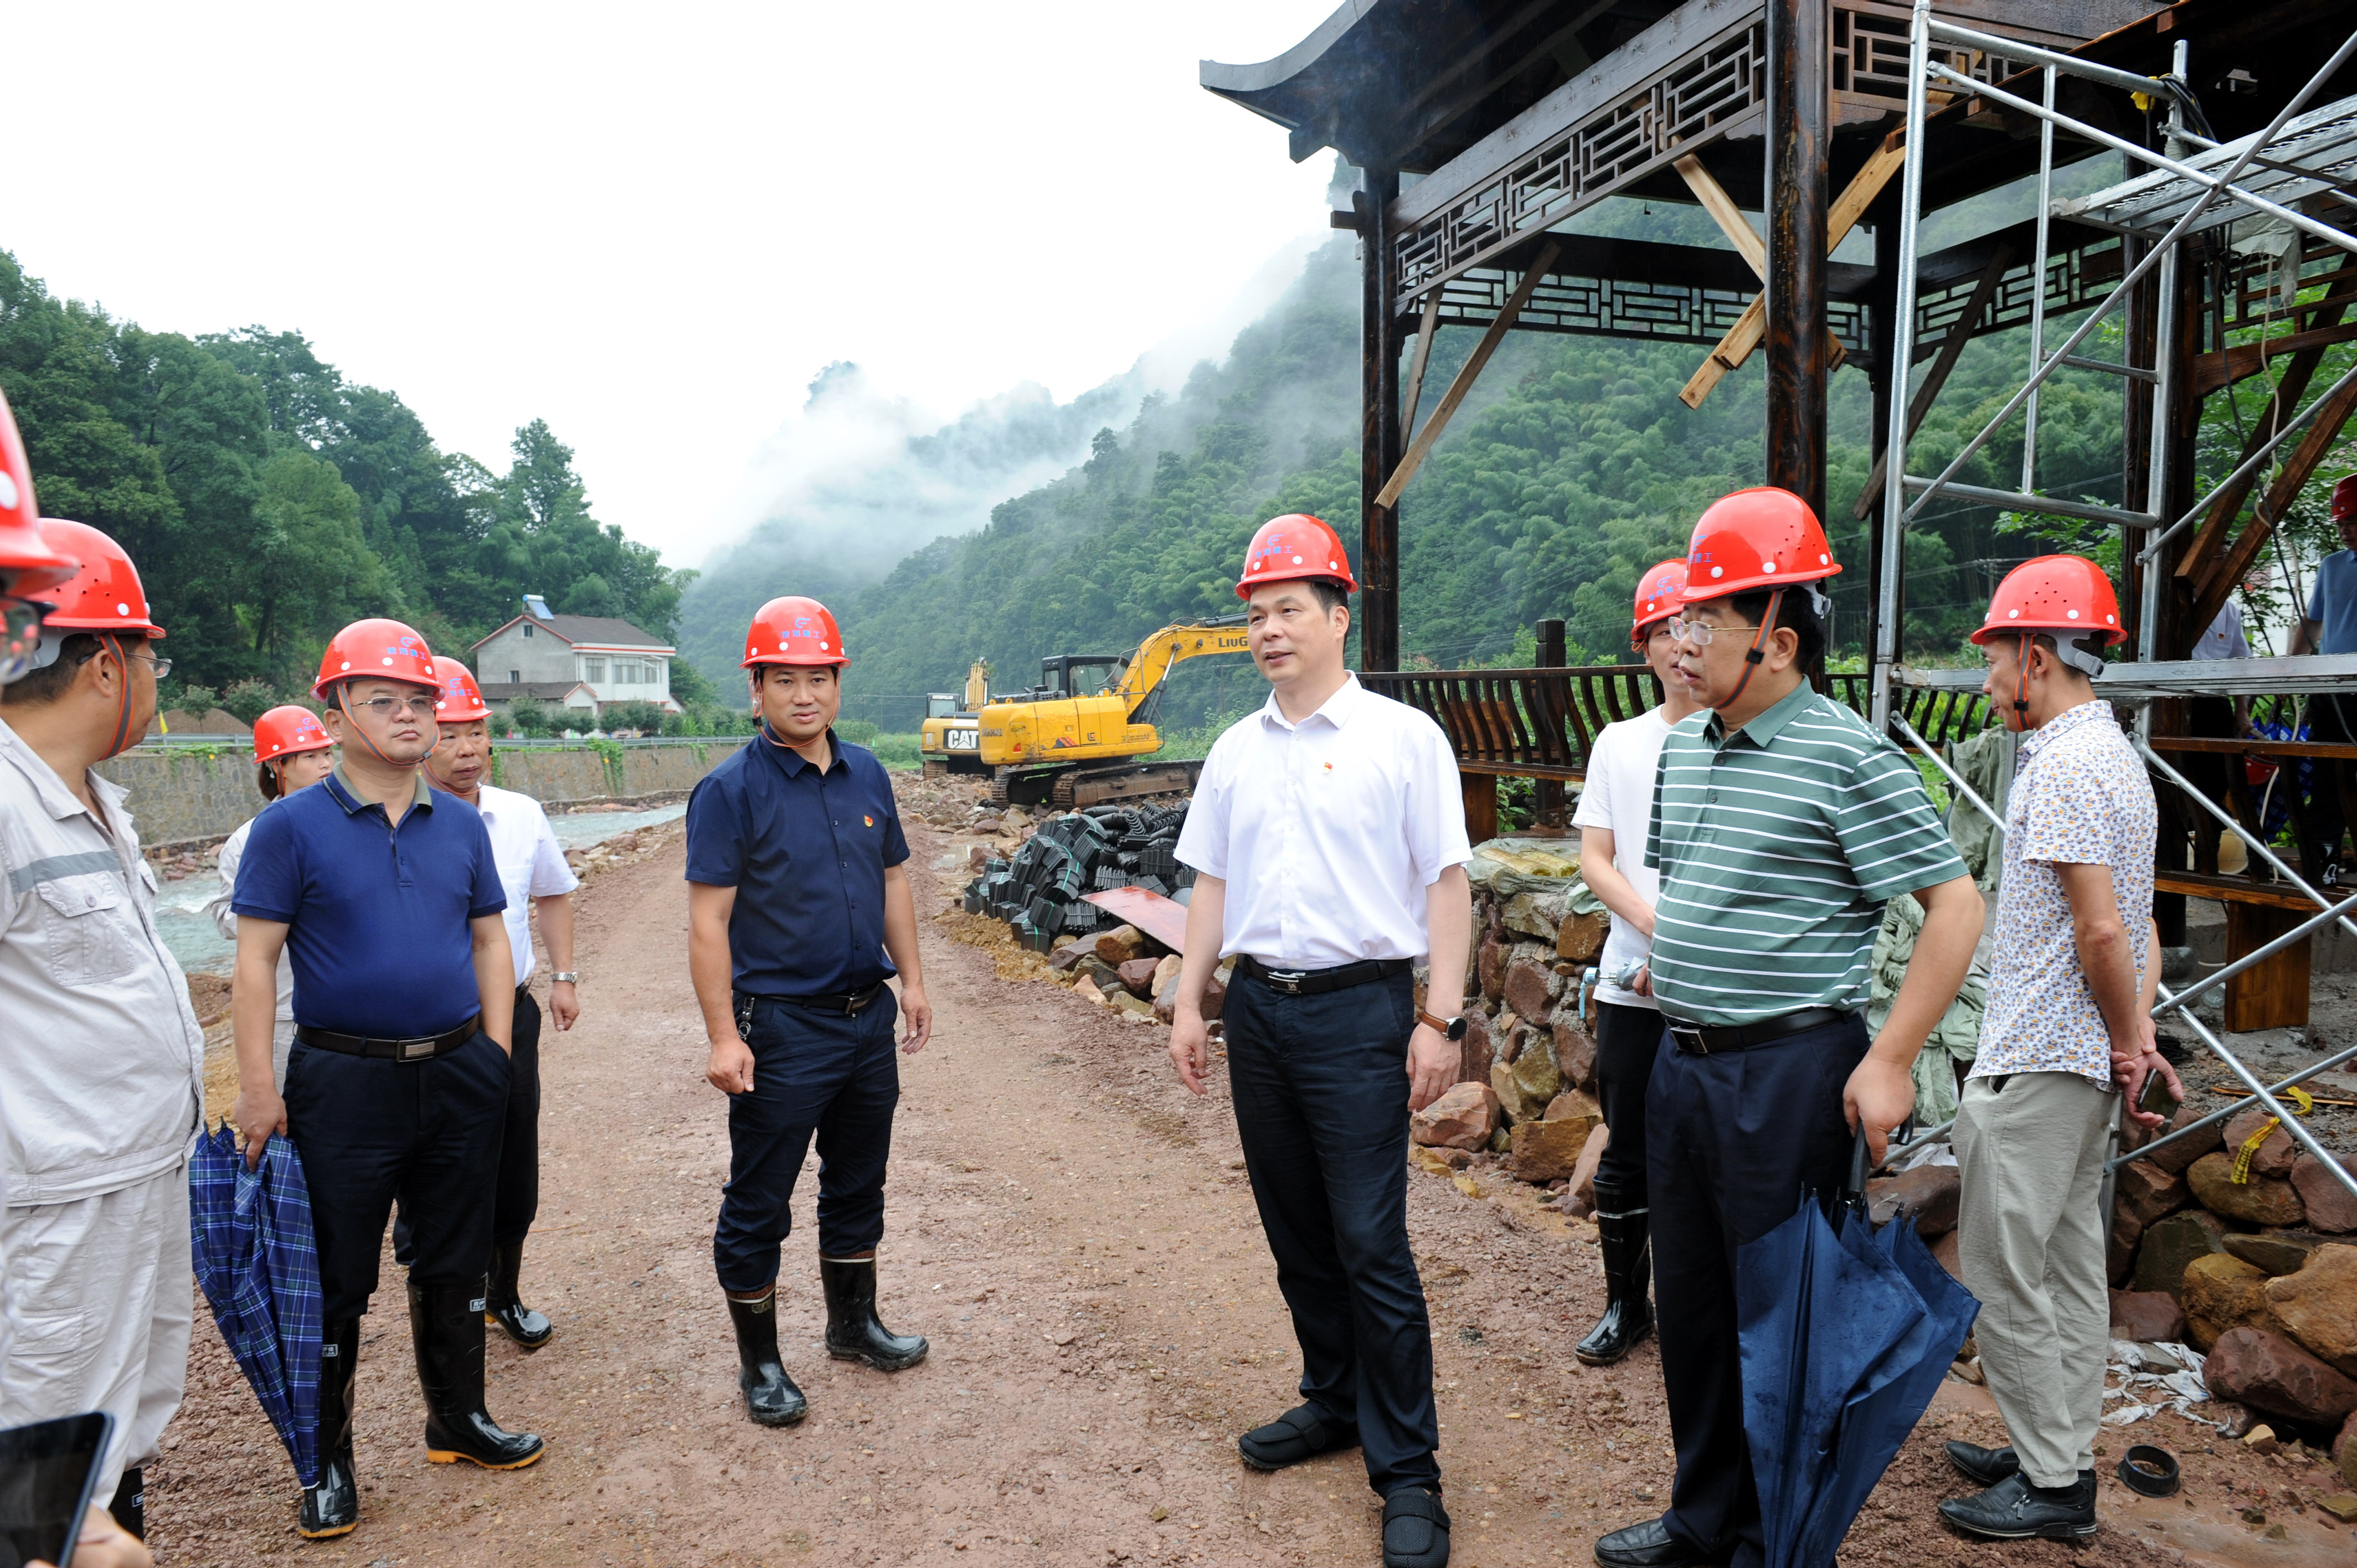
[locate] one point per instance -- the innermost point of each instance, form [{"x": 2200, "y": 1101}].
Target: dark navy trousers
[
  {"x": 517, "y": 1200},
  {"x": 1626, "y": 1040},
  {"x": 1731, "y": 1142},
  {"x": 1320, "y": 1088},
  {"x": 814, "y": 1074},
  {"x": 370, "y": 1130}
]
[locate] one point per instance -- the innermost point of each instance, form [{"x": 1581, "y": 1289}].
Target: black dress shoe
[
  {"x": 1647, "y": 1545},
  {"x": 1299, "y": 1433},
  {"x": 1416, "y": 1530},
  {"x": 1982, "y": 1466},
  {"x": 2013, "y": 1510}
]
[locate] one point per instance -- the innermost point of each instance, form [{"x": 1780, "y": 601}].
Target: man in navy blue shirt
[
  {"x": 796, "y": 894},
  {"x": 386, "y": 899}
]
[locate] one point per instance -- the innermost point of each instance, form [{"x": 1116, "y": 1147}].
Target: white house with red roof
[{"x": 582, "y": 662}]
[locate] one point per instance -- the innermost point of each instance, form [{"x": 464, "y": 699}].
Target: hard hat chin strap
[
  {"x": 123, "y": 736},
  {"x": 1756, "y": 653},
  {"x": 351, "y": 721}
]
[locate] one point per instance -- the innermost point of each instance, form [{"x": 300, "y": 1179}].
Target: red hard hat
[
  {"x": 461, "y": 700},
  {"x": 24, "y": 556},
  {"x": 385, "y": 650},
  {"x": 104, "y": 593},
  {"x": 2344, "y": 496},
  {"x": 2068, "y": 594},
  {"x": 793, "y": 631},
  {"x": 1754, "y": 540},
  {"x": 1657, "y": 596},
  {"x": 284, "y": 731},
  {"x": 1291, "y": 547}
]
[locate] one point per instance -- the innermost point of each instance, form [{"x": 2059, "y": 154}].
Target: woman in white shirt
[
  {"x": 291, "y": 751},
  {"x": 1616, "y": 805}
]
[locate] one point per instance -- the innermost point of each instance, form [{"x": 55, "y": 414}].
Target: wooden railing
[{"x": 1542, "y": 723}]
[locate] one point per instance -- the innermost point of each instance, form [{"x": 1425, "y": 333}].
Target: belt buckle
[
  {"x": 1689, "y": 1041},
  {"x": 1285, "y": 980},
  {"x": 414, "y": 1050}
]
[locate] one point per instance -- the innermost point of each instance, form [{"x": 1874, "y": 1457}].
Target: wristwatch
[
  {"x": 1450, "y": 1029},
  {"x": 569, "y": 976}
]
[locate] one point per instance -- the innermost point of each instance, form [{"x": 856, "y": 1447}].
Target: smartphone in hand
[
  {"x": 47, "y": 1472},
  {"x": 2155, "y": 1099}
]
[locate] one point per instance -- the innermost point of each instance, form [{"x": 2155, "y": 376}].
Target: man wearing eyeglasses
[
  {"x": 101, "y": 1058},
  {"x": 389, "y": 902},
  {"x": 1781, "y": 825}
]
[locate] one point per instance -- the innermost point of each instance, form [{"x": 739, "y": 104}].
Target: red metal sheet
[{"x": 1164, "y": 919}]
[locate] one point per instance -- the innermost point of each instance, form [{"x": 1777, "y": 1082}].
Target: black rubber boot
[
  {"x": 770, "y": 1397},
  {"x": 130, "y": 1505},
  {"x": 1626, "y": 1239},
  {"x": 332, "y": 1506},
  {"x": 518, "y": 1322},
  {"x": 446, "y": 1323},
  {"x": 853, "y": 1331}
]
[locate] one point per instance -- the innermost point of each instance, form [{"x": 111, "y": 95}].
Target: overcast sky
[{"x": 652, "y": 225}]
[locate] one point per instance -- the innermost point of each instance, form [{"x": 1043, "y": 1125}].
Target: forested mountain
[
  {"x": 268, "y": 502},
  {"x": 1573, "y": 466}
]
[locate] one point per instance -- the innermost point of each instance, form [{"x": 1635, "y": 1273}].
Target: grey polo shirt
[{"x": 1778, "y": 846}]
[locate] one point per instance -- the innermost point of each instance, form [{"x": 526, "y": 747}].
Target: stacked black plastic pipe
[{"x": 1039, "y": 889}]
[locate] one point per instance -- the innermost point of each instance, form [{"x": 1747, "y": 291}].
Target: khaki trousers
[
  {"x": 102, "y": 1298},
  {"x": 2030, "y": 1234}
]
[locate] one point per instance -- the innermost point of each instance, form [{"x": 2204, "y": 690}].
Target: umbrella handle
[{"x": 1860, "y": 1163}]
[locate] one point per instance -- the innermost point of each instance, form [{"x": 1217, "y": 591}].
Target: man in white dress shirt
[
  {"x": 291, "y": 751},
  {"x": 533, "y": 870},
  {"x": 1328, "y": 835},
  {"x": 1616, "y": 809}
]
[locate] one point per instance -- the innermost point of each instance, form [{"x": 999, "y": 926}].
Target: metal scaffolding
[{"x": 2191, "y": 184}]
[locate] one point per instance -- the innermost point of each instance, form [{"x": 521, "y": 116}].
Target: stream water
[{"x": 189, "y": 930}]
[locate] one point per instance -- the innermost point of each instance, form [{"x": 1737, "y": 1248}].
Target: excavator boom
[{"x": 1156, "y": 657}]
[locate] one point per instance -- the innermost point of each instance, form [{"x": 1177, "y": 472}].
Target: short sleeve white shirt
[
  {"x": 232, "y": 855},
  {"x": 530, "y": 864},
  {"x": 1619, "y": 798},
  {"x": 1328, "y": 832}
]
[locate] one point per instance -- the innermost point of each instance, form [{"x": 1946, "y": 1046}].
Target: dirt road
[{"x": 1074, "y": 1234}]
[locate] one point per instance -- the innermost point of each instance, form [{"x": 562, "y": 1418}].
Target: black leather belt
[
  {"x": 421, "y": 1048},
  {"x": 848, "y": 1003},
  {"x": 1710, "y": 1040},
  {"x": 1315, "y": 982}
]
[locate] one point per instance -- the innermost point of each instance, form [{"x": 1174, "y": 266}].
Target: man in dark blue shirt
[
  {"x": 796, "y": 896},
  {"x": 386, "y": 899}
]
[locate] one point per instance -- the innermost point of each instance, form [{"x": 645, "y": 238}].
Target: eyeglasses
[
  {"x": 394, "y": 707},
  {"x": 162, "y": 667},
  {"x": 1697, "y": 632},
  {"x": 20, "y": 636}
]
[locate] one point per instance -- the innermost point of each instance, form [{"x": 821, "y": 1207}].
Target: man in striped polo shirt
[{"x": 1780, "y": 826}]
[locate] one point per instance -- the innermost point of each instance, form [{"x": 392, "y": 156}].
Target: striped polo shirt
[{"x": 1778, "y": 846}]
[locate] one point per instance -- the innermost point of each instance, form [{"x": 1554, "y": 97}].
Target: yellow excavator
[{"x": 1074, "y": 739}]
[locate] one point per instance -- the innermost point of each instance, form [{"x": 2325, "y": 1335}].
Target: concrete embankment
[{"x": 186, "y": 796}]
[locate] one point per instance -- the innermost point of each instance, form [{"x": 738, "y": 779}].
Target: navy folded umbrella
[
  {"x": 250, "y": 1233},
  {"x": 1844, "y": 1334}
]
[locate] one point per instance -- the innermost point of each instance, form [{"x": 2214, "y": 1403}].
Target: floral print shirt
[{"x": 2081, "y": 797}]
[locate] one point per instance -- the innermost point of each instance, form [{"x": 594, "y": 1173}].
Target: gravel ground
[{"x": 1074, "y": 1234}]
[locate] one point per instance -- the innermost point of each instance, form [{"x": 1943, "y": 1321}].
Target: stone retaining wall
[{"x": 187, "y": 795}]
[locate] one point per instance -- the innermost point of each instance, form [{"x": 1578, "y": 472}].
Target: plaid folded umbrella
[{"x": 251, "y": 1234}]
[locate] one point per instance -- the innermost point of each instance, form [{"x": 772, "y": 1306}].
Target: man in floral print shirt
[{"x": 2069, "y": 1023}]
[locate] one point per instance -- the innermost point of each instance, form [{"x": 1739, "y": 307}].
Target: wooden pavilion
[{"x": 1483, "y": 128}]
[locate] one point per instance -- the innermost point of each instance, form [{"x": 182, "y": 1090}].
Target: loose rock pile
[
  {"x": 1040, "y": 890},
  {"x": 1525, "y": 1097},
  {"x": 2260, "y": 1272}
]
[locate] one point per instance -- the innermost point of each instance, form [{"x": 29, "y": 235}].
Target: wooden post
[
  {"x": 1379, "y": 436},
  {"x": 1481, "y": 807},
  {"x": 2272, "y": 994},
  {"x": 1546, "y": 805},
  {"x": 1798, "y": 110}
]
